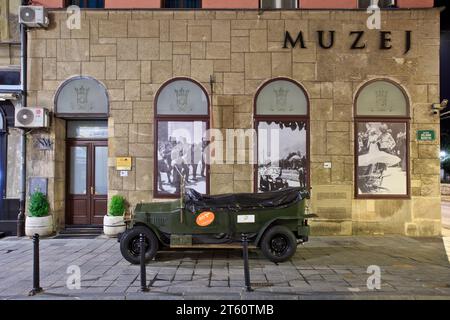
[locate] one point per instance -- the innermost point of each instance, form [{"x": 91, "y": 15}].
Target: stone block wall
[
  {"x": 134, "y": 52},
  {"x": 9, "y": 33}
]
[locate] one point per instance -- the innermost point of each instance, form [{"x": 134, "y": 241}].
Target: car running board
[{"x": 211, "y": 246}]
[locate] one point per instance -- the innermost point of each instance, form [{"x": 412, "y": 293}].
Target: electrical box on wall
[{"x": 123, "y": 164}]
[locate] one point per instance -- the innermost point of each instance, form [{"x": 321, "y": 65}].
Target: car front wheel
[
  {"x": 130, "y": 245},
  {"x": 278, "y": 244}
]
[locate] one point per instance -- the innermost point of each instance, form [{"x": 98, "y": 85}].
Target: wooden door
[{"x": 87, "y": 182}]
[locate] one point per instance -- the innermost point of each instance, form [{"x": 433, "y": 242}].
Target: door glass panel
[
  {"x": 87, "y": 129},
  {"x": 78, "y": 170},
  {"x": 101, "y": 170}
]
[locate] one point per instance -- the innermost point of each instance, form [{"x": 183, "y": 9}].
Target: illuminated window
[
  {"x": 87, "y": 3},
  {"x": 182, "y": 4}
]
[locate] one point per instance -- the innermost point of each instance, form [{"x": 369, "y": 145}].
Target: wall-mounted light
[{"x": 438, "y": 107}]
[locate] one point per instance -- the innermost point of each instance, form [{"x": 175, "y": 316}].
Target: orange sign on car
[{"x": 205, "y": 218}]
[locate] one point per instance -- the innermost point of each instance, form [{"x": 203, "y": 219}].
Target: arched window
[
  {"x": 182, "y": 118},
  {"x": 282, "y": 121},
  {"x": 381, "y": 140}
]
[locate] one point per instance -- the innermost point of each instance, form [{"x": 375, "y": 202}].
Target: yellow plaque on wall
[{"x": 123, "y": 163}]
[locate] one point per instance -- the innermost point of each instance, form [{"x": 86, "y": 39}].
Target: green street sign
[{"x": 426, "y": 135}]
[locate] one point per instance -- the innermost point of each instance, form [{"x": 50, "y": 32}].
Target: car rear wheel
[
  {"x": 130, "y": 246},
  {"x": 278, "y": 244}
]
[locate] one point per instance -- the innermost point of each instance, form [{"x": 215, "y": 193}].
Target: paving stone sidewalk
[{"x": 324, "y": 268}]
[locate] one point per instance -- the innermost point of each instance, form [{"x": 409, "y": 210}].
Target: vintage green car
[{"x": 274, "y": 221}]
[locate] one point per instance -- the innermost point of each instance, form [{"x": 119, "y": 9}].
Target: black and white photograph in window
[
  {"x": 282, "y": 162},
  {"x": 382, "y": 158},
  {"x": 181, "y": 155}
]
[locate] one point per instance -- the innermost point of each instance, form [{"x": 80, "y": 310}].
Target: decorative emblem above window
[
  {"x": 182, "y": 97},
  {"x": 82, "y": 97},
  {"x": 281, "y": 97}
]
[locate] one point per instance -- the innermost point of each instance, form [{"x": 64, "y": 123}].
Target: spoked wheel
[
  {"x": 135, "y": 246},
  {"x": 278, "y": 244},
  {"x": 130, "y": 244}
]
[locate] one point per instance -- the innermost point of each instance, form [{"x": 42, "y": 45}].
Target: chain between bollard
[
  {"x": 246, "y": 266},
  {"x": 36, "y": 286},
  {"x": 142, "y": 249}
]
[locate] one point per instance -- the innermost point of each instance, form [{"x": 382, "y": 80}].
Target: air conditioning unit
[
  {"x": 31, "y": 118},
  {"x": 33, "y": 16}
]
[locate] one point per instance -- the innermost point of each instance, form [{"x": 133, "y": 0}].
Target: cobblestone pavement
[{"x": 324, "y": 268}]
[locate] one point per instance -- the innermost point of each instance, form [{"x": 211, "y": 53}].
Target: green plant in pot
[
  {"x": 113, "y": 222},
  {"x": 39, "y": 220},
  {"x": 117, "y": 206},
  {"x": 38, "y": 206}
]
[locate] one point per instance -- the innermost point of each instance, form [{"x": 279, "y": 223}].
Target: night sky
[{"x": 445, "y": 67}]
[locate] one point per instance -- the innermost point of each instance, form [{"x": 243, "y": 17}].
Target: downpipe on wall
[{"x": 23, "y": 138}]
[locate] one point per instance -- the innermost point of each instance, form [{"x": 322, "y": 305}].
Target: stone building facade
[
  {"x": 9, "y": 34},
  {"x": 134, "y": 52}
]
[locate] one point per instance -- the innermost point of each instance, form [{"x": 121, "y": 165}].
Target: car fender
[
  {"x": 150, "y": 226},
  {"x": 270, "y": 223}
]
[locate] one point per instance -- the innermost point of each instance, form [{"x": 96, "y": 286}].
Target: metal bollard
[
  {"x": 246, "y": 267},
  {"x": 36, "y": 287},
  {"x": 142, "y": 250}
]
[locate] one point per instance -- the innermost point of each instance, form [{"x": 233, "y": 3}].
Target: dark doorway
[
  {"x": 9, "y": 204},
  {"x": 2, "y": 162}
]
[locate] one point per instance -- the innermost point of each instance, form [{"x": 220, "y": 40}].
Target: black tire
[
  {"x": 278, "y": 244},
  {"x": 129, "y": 244}
]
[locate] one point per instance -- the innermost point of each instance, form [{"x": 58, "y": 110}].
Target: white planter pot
[
  {"x": 43, "y": 226},
  {"x": 112, "y": 226}
]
